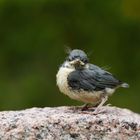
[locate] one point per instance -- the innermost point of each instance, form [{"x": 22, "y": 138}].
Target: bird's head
[{"x": 77, "y": 59}]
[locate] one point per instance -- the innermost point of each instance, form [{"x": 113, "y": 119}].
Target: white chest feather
[{"x": 62, "y": 79}]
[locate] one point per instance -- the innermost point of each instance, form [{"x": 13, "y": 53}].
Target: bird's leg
[
  {"x": 104, "y": 99},
  {"x": 85, "y": 107}
]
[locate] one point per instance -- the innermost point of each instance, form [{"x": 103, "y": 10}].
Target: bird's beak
[{"x": 77, "y": 62}]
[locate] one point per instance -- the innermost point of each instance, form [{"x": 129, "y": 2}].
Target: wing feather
[{"x": 92, "y": 79}]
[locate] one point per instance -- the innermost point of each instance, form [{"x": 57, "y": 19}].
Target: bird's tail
[{"x": 124, "y": 85}]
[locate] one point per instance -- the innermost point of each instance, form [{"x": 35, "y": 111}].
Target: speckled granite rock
[{"x": 66, "y": 123}]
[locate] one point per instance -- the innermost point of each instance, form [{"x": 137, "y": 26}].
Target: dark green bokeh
[{"x": 33, "y": 36}]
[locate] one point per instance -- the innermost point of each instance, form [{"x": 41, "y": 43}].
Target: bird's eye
[{"x": 85, "y": 60}]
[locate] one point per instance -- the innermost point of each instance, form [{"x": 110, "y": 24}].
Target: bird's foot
[
  {"x": 85, "y": 107},
  {"x": 99, "y": 110}
]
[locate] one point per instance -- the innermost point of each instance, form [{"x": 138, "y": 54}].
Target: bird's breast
[
  {"x": 86, "y": 97},
  {"x": 62, "y": 81}
]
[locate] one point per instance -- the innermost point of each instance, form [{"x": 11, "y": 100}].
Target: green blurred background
[{"x": 33, "y": 36}]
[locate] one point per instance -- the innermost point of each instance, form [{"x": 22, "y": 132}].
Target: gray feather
[{"x": 92, "y": 79}]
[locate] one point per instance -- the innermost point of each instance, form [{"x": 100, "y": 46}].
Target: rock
[{"x": 69, "y": 123}]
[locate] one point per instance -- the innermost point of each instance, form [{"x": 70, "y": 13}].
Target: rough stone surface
[{"x": 68, "y": 123}]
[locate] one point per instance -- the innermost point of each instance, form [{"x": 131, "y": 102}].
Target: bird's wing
[{"x": 91, "y": 79}]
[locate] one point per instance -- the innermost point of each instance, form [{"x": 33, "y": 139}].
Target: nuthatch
[{"x": 85, "y": 82}]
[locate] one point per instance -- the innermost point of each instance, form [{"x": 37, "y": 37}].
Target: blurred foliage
[{"x": 32, "y": 39}]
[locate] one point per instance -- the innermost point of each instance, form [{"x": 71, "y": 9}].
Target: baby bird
[{"x": 85, "y": 82}]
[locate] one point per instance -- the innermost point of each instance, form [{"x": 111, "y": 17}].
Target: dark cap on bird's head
[{"x": 77, "y": 57}]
